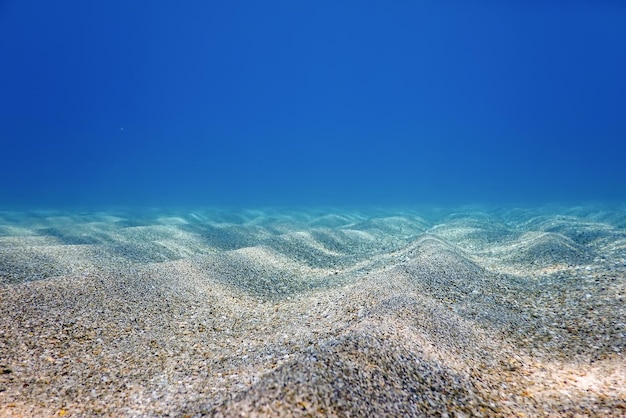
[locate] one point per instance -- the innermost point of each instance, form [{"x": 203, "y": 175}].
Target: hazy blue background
[{"x": 318, "y": 102}]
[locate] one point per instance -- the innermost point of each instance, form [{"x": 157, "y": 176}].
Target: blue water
[{"x": 311, "y": 103}]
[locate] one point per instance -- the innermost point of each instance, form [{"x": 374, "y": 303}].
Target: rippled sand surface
[{"x": 385, "y": 312}]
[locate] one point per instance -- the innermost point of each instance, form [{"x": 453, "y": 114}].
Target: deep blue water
[{"x": 311, "y": 103}]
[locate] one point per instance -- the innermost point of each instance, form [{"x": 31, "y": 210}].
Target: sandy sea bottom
[{"x": 388, "y": 312}]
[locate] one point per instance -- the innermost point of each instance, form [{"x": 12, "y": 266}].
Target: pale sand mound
[{"x": 300, "y": 313}]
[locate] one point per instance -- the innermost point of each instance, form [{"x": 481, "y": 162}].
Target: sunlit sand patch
[
  {"x": 15, "y": 242},
  {"x": 307, "y": 240},
  {"x": 332, "y": 221},
  {"x": 172, "y": 220},
  {"x": 183, "y": 248},
  {"x": 14, "y": 231},
  {"x": 359, "y": 235},
  {"x": 561, "y": 386}
]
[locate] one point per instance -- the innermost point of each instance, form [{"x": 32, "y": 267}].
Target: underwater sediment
[{"x": 313, "y": 312}]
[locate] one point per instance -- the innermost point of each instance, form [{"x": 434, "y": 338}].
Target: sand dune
[{"x": 492, "y": 312}]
